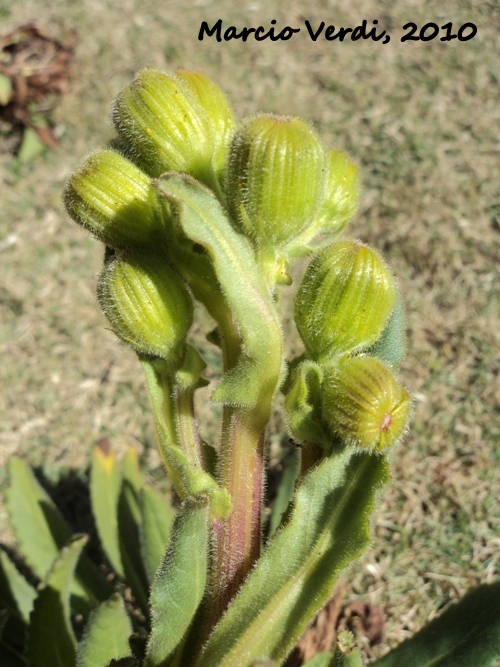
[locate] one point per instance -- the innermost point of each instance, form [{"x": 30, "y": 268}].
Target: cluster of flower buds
[
  {"x": 282, "y": 190},
  {"x": 348, "y": 302}
]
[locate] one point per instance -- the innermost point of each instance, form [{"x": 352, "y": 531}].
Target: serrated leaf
[
  {"x": 467, "y": 634},
  {"x": 327, "y": 530},
  {"x": 179, "y": 584},
  {"x": 105, "y": 486},
  {"x": 51, "y": 641},
  {"x": 15, "y": 592},
  {"x": 157, "y": 520},
  {"x": 106, "y": 635},
  {"x": 41, "y": 532}
]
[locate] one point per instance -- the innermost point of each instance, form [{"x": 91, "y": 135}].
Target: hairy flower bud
[
  {"x": 341, "y": 193},
  {"x": 364, "y": 404},
  {"x": 115, "y": 200},
  {"x": 218, "y": 110},
  {"x": 344, "y": 301},
  {"x": 148, "y": 306},
  {"x": 161, "y": 121},
  {"x": 275, "y": 179}
]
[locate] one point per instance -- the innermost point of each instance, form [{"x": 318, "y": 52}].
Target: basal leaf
[
  {"x": 106, "y": 635},
  {"x": 467, "y": 634},
  {"x": 41, "y": 532},
  {"x": 51, "y": 642},
  {"x": 105, "y": 486},
  {"x": 157, "y": 519},
  {"x": 15, "y": 592}
]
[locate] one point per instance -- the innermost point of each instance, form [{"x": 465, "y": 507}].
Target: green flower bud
[
  {"x": 344, "y": 301},
  {"x": 364, "y": 404},
  {"x": 164, "y": 126},
  {"x": 219, "y": 113},
  {"x": 341, "y": 193},
  {"x": 115, "y": 200},
  {"x": 148, "y": 306},
  {"x": 275, "y": 178}
]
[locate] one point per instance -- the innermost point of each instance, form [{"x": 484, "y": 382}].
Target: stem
[{"x": 238, "y": 538}]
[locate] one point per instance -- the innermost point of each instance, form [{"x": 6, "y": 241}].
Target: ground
[{"x": 420, "y": 119}]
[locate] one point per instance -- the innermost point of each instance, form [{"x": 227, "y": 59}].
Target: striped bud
[
  {"x": 341, "y": 193},
  {"x": 115, "y": 200},
  {"x": 344, "y": 301},
  {"x": 147, "y": 305},
  {"x": 164, "y": 126},
  {"x": 364, "y": 405},
  {"x": 219, "y": 112},
  {"x": 275, "y": 179}
]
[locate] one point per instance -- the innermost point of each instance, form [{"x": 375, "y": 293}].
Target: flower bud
[
  {"x": 344, "y": 301},
  {"x": 364, "y": 404},
  {"x": 115, "y": 200},
  {"x": 275, "y": 179},
  {"x": 148, "y": 306},
  {"x": 219, "y": 113},
  {"x": 164, "y": 126},
  {"x": 341, "y": 193}
]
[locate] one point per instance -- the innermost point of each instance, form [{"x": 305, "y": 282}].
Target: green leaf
[
  {"x": 157, "y": 519},
  {"x": 199, "y": 216},
  {"x": 327, "y": 530},
  {"x": 129, "y": 528},
  {"x": 179, "y": 584},
  {"x": 41, "y": 532},
  {"x": 286, "y": 488},
  {"x": 320, "y": 660},
  {"x": 391, "y": 346},
  {"x": 31, "y": 146},
  {"x": 467, "y": 634},
  {"x": 11, "y": 658},
  {"x": 106, "y": 635},
  {"x": 15, "y": 592},
  {"x": 51, "y": 642},
  {"x": 105, "y": 486}
]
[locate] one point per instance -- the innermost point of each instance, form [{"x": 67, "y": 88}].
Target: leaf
[
  {"x": 106, "y": 635},
  {"x": 179, "y": 584},
  {"x": 286, "y": 488},
  {"x": 294, "y": 577},
  {"x": 320, "y": 660},
  {"x": 105, "y": 485},
  {"x": 391, "y": 346},
  {"x": 467, "y": 634},
  {"x": 15, "y": 592},
  {"x": 31, "y": 146},
  {"x": 51, "y": 642},
  {"x": 200, "y": 217},
  {"x": 41, "y": 532},
  {"x": 129, "y": 528},
  {"x": 157, "y": 519},
  {"x": 6, "y": 90}
]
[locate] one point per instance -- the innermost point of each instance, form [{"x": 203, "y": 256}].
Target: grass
[{"x": 420, "y": 119}]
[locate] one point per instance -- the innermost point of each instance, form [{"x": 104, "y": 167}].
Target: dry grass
[{"x": 421, "y": 120}]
